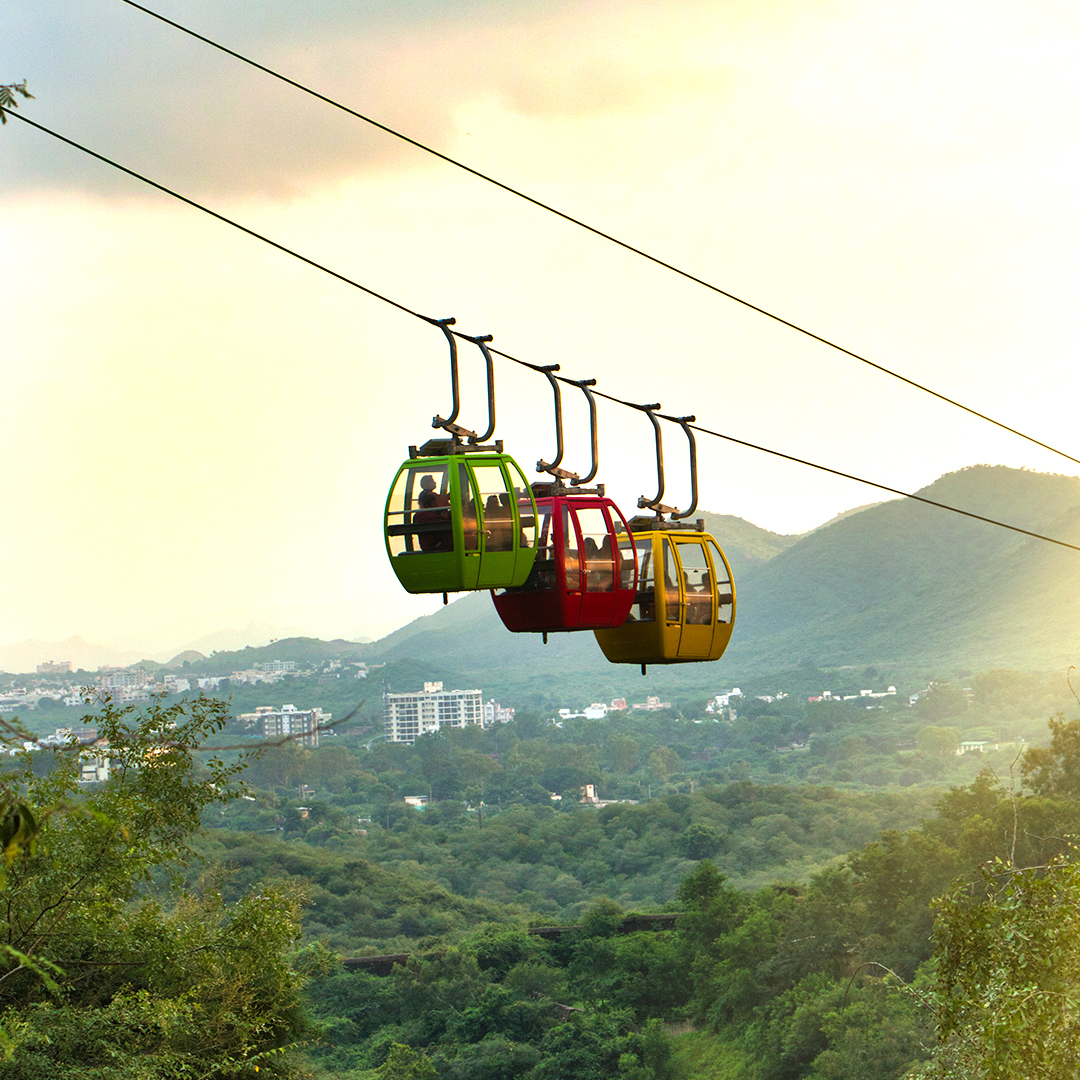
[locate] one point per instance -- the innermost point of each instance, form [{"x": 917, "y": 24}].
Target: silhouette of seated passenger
[
  {"x": 699, "y": 602},
  {"x": 433, "y": 539}
]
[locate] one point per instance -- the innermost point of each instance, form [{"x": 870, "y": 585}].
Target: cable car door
[
  {"x": 597, "y": 565},
  {"x": 698, "y": 579},
  {"x": 573, "y": 577},
  {"x": 669, "y": 596}
]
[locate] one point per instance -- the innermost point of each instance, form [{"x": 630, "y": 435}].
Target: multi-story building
[
  {"x": 408, "y": 716},
  {"x": 301, "y": 725},
  {"x": 55, "y": 667},
  {"x": 279, "y": 667},
  {"x": 124, "y": 680},
  {"x": 95, "y": 762},
  {"x": 494, "y": 713}
]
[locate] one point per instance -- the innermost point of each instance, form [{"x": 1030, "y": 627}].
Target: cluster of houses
[
  {"x": 871, "y": 695},
  {"x": 94, "y": 760},
  {"x": 598, "y": 710},
  {"x": 56, "y": 682}
]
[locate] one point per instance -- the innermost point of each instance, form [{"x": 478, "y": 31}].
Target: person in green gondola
[{"x": 435, "y": 540}]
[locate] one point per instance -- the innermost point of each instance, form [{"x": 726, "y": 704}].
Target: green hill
[
  {"x": 902, "y": 581},
  {"x": 893, "y": 583}
]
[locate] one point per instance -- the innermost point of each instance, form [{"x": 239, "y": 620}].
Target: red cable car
[{"x": 583, "y": 578}]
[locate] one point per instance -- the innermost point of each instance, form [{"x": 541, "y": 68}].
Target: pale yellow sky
[{"x": 201, "y": 431}]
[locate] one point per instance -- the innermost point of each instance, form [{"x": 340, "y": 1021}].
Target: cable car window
[
  {"x": 627, "y": 559},
  {"x": 644, "y": 609},
  {"x": 697, "y": 582},
  {"x": 468, "y": 507},
  {"x": 494, "y": 498},
  {"x": 671, "y": 583},
  {"x": 596, "y": 544},
  {"x": 725, "y": 594},
  {"x": 417, "y": 505},
  {"x": 522, "y": 496},
  {"x": 571, "y": 554},
  {"x": 543, "y": 574}
]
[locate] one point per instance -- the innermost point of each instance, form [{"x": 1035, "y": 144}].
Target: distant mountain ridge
[
  {"x": 24, "y": 656},
  {"x": 897, "y": 582},
  {"x": 902, "y": 581}
]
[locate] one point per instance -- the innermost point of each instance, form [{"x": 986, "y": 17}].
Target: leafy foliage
[
  {"x": 8, "y": 99},
  {"x": 1007, "y": 991},
  {"x": 101, "y": 979}
]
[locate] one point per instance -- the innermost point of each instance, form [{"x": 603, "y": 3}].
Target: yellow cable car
[{"x": 684, "y": 610}]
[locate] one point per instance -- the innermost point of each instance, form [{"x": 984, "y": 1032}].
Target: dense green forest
[{"x": 851, "y": 897}]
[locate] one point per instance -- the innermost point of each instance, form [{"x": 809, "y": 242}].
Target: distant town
[{"x": 406, "y": 716}]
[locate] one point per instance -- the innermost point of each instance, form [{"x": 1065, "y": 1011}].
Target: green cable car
[
  {"x": 460, "y": 520},
  {"x": 460, "y": 515}
]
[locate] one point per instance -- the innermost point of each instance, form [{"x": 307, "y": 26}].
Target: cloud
[{"x": 132, "y": 88}]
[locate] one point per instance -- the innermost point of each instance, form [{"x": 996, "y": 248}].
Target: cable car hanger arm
[{"x": 448, "y": 424}]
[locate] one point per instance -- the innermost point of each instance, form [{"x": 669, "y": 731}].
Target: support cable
[
  {"x": 443, "y": 325},
  {"x": 595, "y": 231}
]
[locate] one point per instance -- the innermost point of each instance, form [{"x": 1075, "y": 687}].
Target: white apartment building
[
  {"x": 124, "y": 680},
  {"x": 408, "y": 716},
  {"x": 279, "y": 667}
]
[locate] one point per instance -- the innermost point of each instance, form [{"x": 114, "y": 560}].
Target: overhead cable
[
  {"x": 507, "y": 356},
  {"x": 593, "y": 229}
]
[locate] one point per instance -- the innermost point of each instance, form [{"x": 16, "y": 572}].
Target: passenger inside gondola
[
  {"x": 498, "y": 525},
  {"x": 429, "y": 501}
]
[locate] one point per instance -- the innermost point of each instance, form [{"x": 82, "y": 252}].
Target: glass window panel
[
  {"x": 596, "y": 540},
  {"x": 521, "y": 495},
  {"x": 697, "y": 582},
  {"x": 571, "y": 554},
  {"x": 417, "y": 507},
  {"x": 468, "y": 507},
  {"x": 725, "y": 597},
  {"x": 542, "y": 575},
  {"x": 496, "y": 512},
  {"x": 671, "y": 583},
  {"x": 627, "y": 561},
  {"x": 644, "y": 609}
]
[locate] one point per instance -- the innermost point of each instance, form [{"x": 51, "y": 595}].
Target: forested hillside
[
  {"x": 905, "y": 582},
  {"x": 801, "y": 978},
  {"x": 846, "y": 895},
  {"x": 802, "y": 922}
]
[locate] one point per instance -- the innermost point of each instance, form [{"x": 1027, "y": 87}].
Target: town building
[
  {"x": 651, "y": 704},
  {"x": 494, "y": 713},
  {"x": 279, "y": 667},
  {"x": 121, "y": 680},
  {"x": 95, "y": 762},
  {"x": 408, "y": 716},
  {"x": 299, "y": 725},
  {"x": 55, "y": 667}
]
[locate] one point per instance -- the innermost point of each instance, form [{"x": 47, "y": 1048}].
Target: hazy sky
[{"x": 200, "y": 430}]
